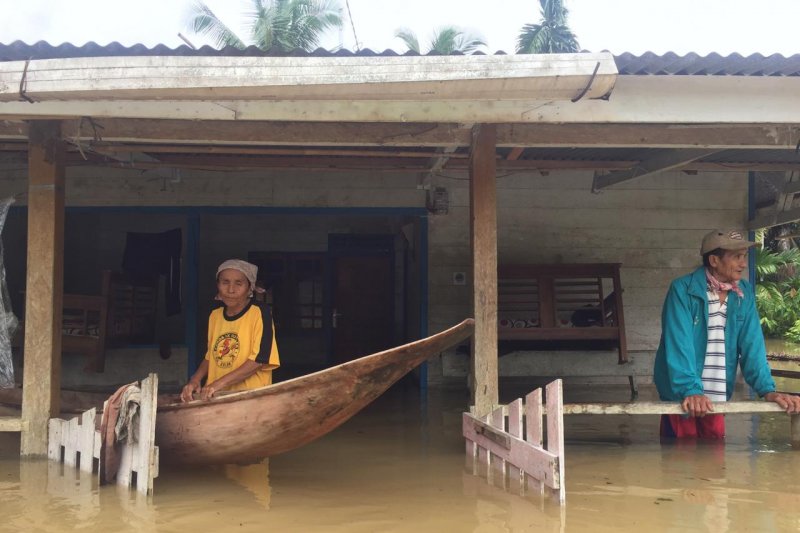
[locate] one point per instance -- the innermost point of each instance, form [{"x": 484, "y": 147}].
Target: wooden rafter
[
  {"x": 515, "y": 152},
  {"x": 783, "y": 210},
  {"x": 665, "y": 160},
  {"x": 258, "y": 150},
  {"x": 237, "y": 163}
]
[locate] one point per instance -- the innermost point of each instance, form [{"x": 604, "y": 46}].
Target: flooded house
[{"x": 384, "y": 197}]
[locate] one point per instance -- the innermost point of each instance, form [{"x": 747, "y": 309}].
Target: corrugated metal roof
[
  {"x": 627, "y": 64},
  {"x": 20, "y": 51},
  {"x": 710, "y": 65}
]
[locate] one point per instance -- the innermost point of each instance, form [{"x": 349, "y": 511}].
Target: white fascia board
[
  {"x": 677, "y": 99},
  {"x": 635, "y": 99},
  {"x": 417, "y": 78}
]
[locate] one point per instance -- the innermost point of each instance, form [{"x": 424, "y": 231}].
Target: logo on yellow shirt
[{"x": 226, "y": 349}]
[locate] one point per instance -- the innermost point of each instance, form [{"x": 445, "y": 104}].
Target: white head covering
[{"x": 249, "y": 270}]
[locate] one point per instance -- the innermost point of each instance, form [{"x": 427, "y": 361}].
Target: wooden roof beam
[
  {"x": 729, "y": 136},
  {"x": 265, "y": 151},
  {"x": 719, "y": 136},
  {"x": 666, "y": 160},
  {"x": 236, "y": 163},
  {"x": 260, "y": 132}
]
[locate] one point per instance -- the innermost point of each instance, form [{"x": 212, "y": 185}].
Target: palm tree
[
  {"x": 282, "y": 24},
  {"x": 445, "y": 40},
  {"x": 551, "y": 35}
]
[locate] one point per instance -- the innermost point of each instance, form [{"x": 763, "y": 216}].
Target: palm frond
[
  {"x": 551, "y": 35},
  {"x": 553, "y": 11},
  {"x": 467, "y": 42},
  {"x": 443, "y": 40},
  {"x": 203, "y": 21},
  {"x": 262, "y": 15},
  {"x": 527, "y": 37},
  {"x": 283, "y": 24},
  {"x": 770, "y": 263},
  {"x": 409, "y": 38}
]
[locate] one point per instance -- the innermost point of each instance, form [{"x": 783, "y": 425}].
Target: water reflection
[
  {"x": 781, "y": 346},
  {"x": 254, "y": 478},
  {"x": 40, "y": 495}
]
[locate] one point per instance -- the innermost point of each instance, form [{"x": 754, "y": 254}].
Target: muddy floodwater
[{"x": 400, "y": 466}]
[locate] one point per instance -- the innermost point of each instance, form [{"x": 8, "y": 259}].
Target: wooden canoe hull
[{"x": 248, "y": 426}]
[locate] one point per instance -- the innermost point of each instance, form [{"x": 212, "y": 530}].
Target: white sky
[{"x": 681, "y": 26}]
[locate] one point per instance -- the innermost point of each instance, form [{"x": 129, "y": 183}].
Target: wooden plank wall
[{"x": 653, "y": 226}]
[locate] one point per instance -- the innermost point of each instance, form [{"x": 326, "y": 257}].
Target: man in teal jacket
[{"x": 709, "y": 325}]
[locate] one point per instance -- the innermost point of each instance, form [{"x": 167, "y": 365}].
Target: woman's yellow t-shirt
[{"x": 232, "y": 340}]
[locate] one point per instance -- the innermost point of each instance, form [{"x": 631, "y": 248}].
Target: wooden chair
[{"x": 124, "y": 313}]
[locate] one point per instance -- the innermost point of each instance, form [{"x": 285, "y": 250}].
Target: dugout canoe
[{"x": 244, "y": 427}]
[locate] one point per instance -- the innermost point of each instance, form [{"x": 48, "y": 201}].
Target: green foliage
[
  {"x": 284, "y": 25},
  {"x": 793, "y": 334},
  {"x": 445, "y": 41},
  {"x": 778, "y": 292},
  {"x": 551, "y": 35}
]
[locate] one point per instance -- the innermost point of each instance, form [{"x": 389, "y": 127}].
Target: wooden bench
[
  {"x": 561, "y": 302},
  {"x": 124, "y": 313}
]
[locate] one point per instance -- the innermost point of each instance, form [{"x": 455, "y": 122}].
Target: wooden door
[{"x": 363, "y": 306}]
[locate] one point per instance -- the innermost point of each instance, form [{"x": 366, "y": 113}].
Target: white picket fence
[
  {"x": 497, "y": 442},
  {"x": 77, "y": 443}
]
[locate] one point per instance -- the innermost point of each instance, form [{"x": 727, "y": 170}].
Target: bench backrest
[{"x": 556, "y": 295}]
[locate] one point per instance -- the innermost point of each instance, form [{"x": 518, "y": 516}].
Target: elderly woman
[
  {"x": 709, "y": 326},
  {"x": 242, "y": 351}
]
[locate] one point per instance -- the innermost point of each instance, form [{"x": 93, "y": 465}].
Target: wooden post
[
  {"x": 43, "y": 293},
  {"x": 483, "y": 228}
]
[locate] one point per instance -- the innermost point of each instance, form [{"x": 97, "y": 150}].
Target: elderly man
[{"x": 709, "y": 324}]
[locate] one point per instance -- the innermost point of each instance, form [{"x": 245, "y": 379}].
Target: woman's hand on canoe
[
  {"x": 188, "y": 390},
  {"x": 208, "y": 392}
]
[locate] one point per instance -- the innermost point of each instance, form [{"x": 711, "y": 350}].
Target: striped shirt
[{"x": 714, "y": 374}]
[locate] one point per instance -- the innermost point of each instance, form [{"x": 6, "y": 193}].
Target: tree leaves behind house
[
  {"x": 551, "y": 35},
  {"x": 445, "y": 41},
  {"x": 284, "y": 25},
  {"x": 778, "y": 292}
]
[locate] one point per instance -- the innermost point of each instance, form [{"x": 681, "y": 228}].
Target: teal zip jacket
[{"x": 684, "y": 331}]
